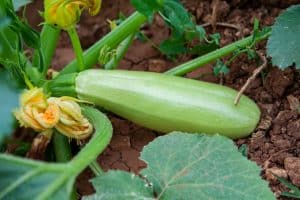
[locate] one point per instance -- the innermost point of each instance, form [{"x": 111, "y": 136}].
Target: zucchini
[{"x": 167, "y": 103}]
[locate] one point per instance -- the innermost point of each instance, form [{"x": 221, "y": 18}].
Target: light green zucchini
[{"x": 167, "y": 103}]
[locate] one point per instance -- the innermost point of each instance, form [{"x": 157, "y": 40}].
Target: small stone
[
  {"x": 294, "y": 102},
  {"x": 292, "y": 166},
  {"x": 269, "y": 109},
  {"x": 277, "y": 81},
  {"x": 284, "y": 116},
  {"x": 293, "y": 129},
  {"x": 157, "y": 65},
  {"x": 277, "y": 171},
  {"x": 282, "y": 143}
]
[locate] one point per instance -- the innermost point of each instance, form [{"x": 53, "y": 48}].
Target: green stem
[
  {"x": 61, "y": 147},
  {"x": 129, "y": 26},
  {"x": 210, "y": 57},
  {"x": 77, "y": 48},
  {"x": 99, "y": 141},
  {"x": 63, "y": 152},
  {"x": 49, "y": 38},
  {"x": 121, "y": 51},
  {"x": 98, "y": 171},
  {"x": 234, "y": 57}
]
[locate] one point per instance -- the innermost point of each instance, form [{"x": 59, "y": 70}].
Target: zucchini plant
[{"x": 180, "y": 165}]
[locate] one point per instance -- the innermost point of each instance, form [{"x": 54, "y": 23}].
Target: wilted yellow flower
[
  {"x": 41, "y": 114},
  {"x": 71, "y": 122},
  {"x": 66, "y": 13},
  {"x": 35, "y": 112},
  {"x": 35, "y": 97}
]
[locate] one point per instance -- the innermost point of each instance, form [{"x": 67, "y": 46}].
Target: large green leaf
[
  {"x": 8, "y": 101},
  {"x": 284, "y": 43},
  {"x": 147, "y": 7},
  {"x": 189, "y": 166},
  {"x": 129, "y": 187},
  {"x": 26, "y": 179},
  {"x": 178, "y": 18}
]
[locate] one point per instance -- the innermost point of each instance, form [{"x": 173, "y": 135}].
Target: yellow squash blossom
[
  {"x": 71, "y": 122},
  {"x": 35, "y": 112},
  {"x": 66, "y": 13},
  {"x": 41, "y": 114}
]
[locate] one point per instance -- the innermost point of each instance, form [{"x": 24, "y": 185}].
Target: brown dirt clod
[{"x": 292, "y": 166}]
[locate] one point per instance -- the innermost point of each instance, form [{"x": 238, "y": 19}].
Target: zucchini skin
[{"x": 168, "y": 103}]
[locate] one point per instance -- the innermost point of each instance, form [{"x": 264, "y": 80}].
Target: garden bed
[{"x": 274, "y": 145}]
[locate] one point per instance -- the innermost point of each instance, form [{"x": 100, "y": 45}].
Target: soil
[{"x": 274, "y": 145}]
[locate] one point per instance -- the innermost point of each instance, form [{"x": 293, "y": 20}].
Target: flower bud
[
  {"x": 66, "y": 13},
  {"x": 61, "y": 13},
  {"x": 35, "y": 112}
]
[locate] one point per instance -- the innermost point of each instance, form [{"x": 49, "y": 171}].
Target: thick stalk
[
  {"x": 61, "y": 147},
  {"x": 77, "y": 48},
  {"x": 219, "y": 53},
  {"x": 49, "y": 38},
  {"x": 100, "y": 140},
  {"x": 63, "y": 153},
  {"x": 121, "y": 51},
  {"x": 129, "y": 26},
  {"x": 98, "y": 171}
]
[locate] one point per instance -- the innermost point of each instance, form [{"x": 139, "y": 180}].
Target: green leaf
[
  {"x": 8, "y": 101},
  {"x": 201, "y": 31},
  {"x": 220, "y": 67},
  {"x": 294, "y": 193},
  {"x": 130, "y": 187},
  {"x": 215, "y": 38},
  {"x": 172, "y": 47},
  {"x": 177, "y": 18},
  {"x": 243, "y": 150},
  {"x": 21, "y": 28},
  {"x": 194, "y": 166},
  {"x": 290, "y": 194},
  {"x": 189, "y": 166},
  {"x": 9, "y": 43},
  {"x": 146, "y": 7},
  {"x": 4, "y": 22},
  {"x": 27, "y": 179},
  {"x": 284, "y": 44},
  {"x": 30, "y": 36},
  {"x": 201, "y": 49},
  {"x": 251, "y": 54}
]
